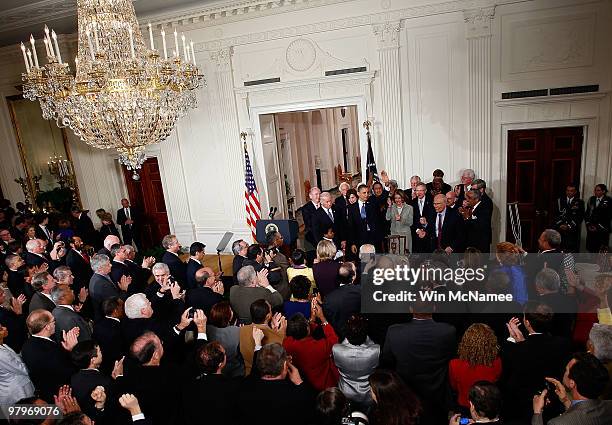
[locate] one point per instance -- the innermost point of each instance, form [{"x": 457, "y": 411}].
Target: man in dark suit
[
  {"x": 467, "y": 177},
  {"x": 107, "y": 332},
  {"x": 140, "y": 273},
  {"x": 547, "y": 283},
  {"x": 362, "y": 221},
  {"x": 568, "y": 217},
  {"x": 178, "y": 269},
  {"x": 118, "y": 266},
  {"x": 239, "y": 249},
  {"x": 341, "y": 303},
  {"x": 129, "y": 219},
  {"x": 585, "y": 378},
  {"x": 42, "y": 230},
  {"x": 308, "y": 211},
  {"x": 48, "y": 362},
  {"x": 529, "y": 358},
  {"x": 477, "y": 220},
  {"x": 549, "y": 256},
  {"x": 16, "y": 277},
  {"x": 420, "y": 351},
  {"x": 597, "y": 219},
  {"x": 102, "y": 287},
  {"x": 65, "y": 316},
  {"x": 196, "y": 256},
  {"x": 422, "y": 207},
  {"x": 83, "y": 226},
  {"x": 36, "y": 255},
  {"x": 342, "y": 203},
  {"x": 445, "y": 227},
  {"x": 411, "y": 191},
  {"x": 78, "y": 261},
  {"x": 324, "y": 218},
  {"x": 43, "y": 283},
  {"x": 487, "y": 202},
  {"x": 208, "y": 292}
]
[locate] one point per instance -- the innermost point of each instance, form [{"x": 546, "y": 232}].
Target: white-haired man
[
  {"x": 327, "y": 217},
  {"x": 308, "y": 211},
  {"x": 252, "y": 286},
  {"x": 102, "y": 287},
  {"x": 467, "y": 177},
  {"x": 109, "y": 241}
]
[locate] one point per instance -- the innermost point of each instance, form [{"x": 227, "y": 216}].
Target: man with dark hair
[
  {"x": 171, "y": 257},
  {"x": 344, "y": 301},
  {"x": 441, "y": 186},
  {"x": 477, "y": 217},
  {"x": 196, "y": 256},
  {"x": 43, "y": 283},
  {"x": 272, "y": 326},
  {"x": 107, "y": 332},
  {"x": 259, "y": 260},
  {"x": 293, "y": 399},
  {"x": 129, "y": 219},
  {"x": 83, "y": 226},
  {"x": 568, "y": 217},
  {"x": 585, "y": 378},
  {"x": 485, "y": 404},
  {"x": 78, "y": 261},
  {"x": 275, "y": 241},
  {"x": 597, "y": 219},
  {"x": 422, "y": 207},
  {"x": 210, "y": 388},
  {"x": 528, "y": 359},
  {"x": 65, "y": 316},
  {"x": 362, "y": 221}
]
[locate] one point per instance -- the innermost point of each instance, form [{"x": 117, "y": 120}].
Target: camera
[
  {"x": 191, "y": 313},
  {"x": 464, "y": 421}
]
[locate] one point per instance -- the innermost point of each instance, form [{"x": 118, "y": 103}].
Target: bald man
[
  {"x": 208, "y": 292},
  {"x": 444, "y": 227}
]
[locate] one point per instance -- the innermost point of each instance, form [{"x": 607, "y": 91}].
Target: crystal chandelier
[{"x": 124, "y": 95}]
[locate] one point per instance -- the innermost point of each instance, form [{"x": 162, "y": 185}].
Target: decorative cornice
[
  {"x": 478, "y": 22},
  {"x": 38, "y": 12},
  {"x": 387, "y": 34},
  {"x": 222, "y": 58},
  {"x": 356, "y": 21}
]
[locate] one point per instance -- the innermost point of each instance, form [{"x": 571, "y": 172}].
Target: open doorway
[{"x": 311, "y": 148}]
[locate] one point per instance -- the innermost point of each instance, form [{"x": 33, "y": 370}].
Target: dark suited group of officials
[
  {"x": 434, "y": 216},
  {"x": 424, "y": 216}
]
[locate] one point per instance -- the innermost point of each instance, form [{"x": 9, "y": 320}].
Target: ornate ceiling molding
[{"x": 36, "y": 13}]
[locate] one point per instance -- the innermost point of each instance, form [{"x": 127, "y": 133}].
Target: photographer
[
  {"x": 586, "y": 378},
  {"x": 264, "y": 259}
]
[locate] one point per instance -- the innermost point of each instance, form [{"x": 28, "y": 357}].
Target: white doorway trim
[
  {"x": 304, "y": 95},
  {"x": 564, "y": 111}
]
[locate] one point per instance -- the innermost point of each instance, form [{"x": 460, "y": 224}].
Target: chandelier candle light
[{"x": 122, "y": 95}]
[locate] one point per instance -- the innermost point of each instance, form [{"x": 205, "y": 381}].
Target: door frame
[
  {"x": 586, "y": 124},
  {"x": 359, "y": 102}
]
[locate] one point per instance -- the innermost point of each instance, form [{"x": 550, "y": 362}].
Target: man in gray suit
[
  {"x": 43, "y": 283},
  {"x": 586, "y": 378},
  {"x": 252, "y": 286},
  {"x": 102, "y": 287},
  {"x": 65, "y": 316}
]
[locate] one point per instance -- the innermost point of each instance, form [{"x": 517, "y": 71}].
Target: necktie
[
  {"x": 331, "y": 216},
  {"x": 49, "y": 233},
  {"x": 420, "y": 206},
  {"x": 363, "y": 211},
  {"x": 596, "y": 202},
  {"x": 127, "y": 213},
  {"x": 439, "y": 230},
  {"x": 85, "y": 256}
]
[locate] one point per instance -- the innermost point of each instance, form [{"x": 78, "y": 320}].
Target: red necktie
[{"x": 439, "y": 230}]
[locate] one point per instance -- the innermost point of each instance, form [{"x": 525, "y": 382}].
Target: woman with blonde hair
[
  {"x": 325, "y": 269},
  {"x": 478, "y": 360},
  {"x": 508, "y": 257}
]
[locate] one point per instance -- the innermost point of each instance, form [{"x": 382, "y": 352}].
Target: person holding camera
[
  {"x": 586, "y": 378},
  {"x": 261, "y": 259},
  {"x": 485, "y": 405}
]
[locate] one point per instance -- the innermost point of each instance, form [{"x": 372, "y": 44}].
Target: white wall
[{"x": 435, "y": 74}]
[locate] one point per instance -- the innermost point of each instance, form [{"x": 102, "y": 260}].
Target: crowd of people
[{"x": 113, "y": 340}]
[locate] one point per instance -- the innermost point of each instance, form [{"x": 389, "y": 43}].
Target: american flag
[{"x": 251, "y": 194}]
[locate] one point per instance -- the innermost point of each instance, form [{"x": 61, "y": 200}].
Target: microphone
[{"x": 271, "y": 213}]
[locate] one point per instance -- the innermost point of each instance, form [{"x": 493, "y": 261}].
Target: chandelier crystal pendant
[{"x": 124, "y": 95}]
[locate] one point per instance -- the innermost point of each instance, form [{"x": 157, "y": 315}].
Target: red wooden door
[
  {"x": 541, "y": 162},
  {"x": 147, "y": 194}
]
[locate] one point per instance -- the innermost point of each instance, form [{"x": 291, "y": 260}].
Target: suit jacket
[
  {"x": 216, "y": 392},
  {"x": 321, "y": 222},
  {"x": 358, "y": 233},
  {"x": 308, "y": 211},
  {"x": 525, "y": 365},
  {"x": 202, "y": 298},
  {"x": 40, "y": 301},
  {"x": 66, "y": 319},
  {"x": 129, "y": 230},
  {"x": 452, "y": 231},
  {"x": 340, "y": 304},
  {"x": 571, "y": 214},
  {"x": 420, "y": 351},
  {"x": 326, "y": 276},
  {"x": 84, "y": 228},
  {"x": 242, "y": 297},
  {"x": 418, "y": 244},
  {"x": 356, "y": 363},
  {"x": 488, "y": 203},
  {"x": 588, "y": 412},
  {"x": 107, "y": 333},
  {"x": 17, "y": 284},
  {"x": 40, "y": 234},
  {"x": 81, "y": 269},
  {"x": 49, "y": 365},
  {"x": 118, "y": 270},
  {"x": 140, "y": 277},
  {"x": 236, "y": 266},
  {"x": 443, "y": 190},
  {"x": 192, "y": 267},
  {"x": 102, "y": 288},
  {"x": 478, "y": 233},
  {"x": 32, "y": 259},
  {"x": 178, "y": 269},
  {"x": 601, "y": 215},
  {"x": 247, "y": 345},
  {"x": 84, "y": 382}
]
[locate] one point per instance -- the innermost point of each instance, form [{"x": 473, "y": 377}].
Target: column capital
[
  {"x": 387, "y": 34},
  {"x": 478, "y": 21},
  {"x": 222, "y": 58}
]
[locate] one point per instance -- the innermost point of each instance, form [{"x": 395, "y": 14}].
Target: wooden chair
[{"x": 397, "y": 245}]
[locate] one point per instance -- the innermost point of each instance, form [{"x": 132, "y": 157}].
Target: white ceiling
[{"x": 19, "y": 18}]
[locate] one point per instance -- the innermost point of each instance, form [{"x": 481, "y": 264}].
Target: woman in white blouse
[
  {"x": 400, "y": 214},
  {"x": 15, "y": 382}
]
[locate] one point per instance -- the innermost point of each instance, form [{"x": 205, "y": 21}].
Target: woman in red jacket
[
  {"x": 478, "y": 361},
  {"x": 312, "y": 355}
]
